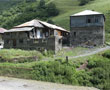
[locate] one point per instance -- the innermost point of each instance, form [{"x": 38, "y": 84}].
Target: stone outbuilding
[
  {"x": 35, "y": 35},
  {"x": 87, "y": 28}
]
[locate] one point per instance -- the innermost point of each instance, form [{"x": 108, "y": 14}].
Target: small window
[
  {"x": 89, "y": 21},
  {"x": 74, "y": 34},
  {"x": 47, "y": 34},
  {"x": 60, "y": 41},
  {"x": 20, "y": 40}
]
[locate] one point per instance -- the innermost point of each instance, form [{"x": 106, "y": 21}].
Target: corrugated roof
[
  {"x": 87, "y": 12},
  {"x": 2, "y": 30},
  {"x": 20, "y": 29},
  {"x": 34, "y": 23},
  {"x": 52, "y": 26}
]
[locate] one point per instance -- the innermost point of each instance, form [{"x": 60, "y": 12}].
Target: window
[
  {"x": 60, "y": 40},
  {"x": 20, "y": 40},
  {"x": 47, "y": 34},
  {"x": 89, "y": 21},
  {"x": 74, "y": 34},
  {"x": 39, "y": 34}
]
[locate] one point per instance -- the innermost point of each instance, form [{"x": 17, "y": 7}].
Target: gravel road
[{"x": 21, "y": 84}]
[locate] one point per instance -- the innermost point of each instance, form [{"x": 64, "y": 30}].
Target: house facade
[
  {"x": 35, "y": 35},
  {"x": 87, "y": 28}
]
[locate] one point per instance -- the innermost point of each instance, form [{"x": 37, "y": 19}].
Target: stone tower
[{"x": 87, "y": 28}]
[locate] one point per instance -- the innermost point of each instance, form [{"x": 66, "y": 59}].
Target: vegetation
[
  {"x": 18, "y": 55},
  {"x": 83, "y": 2},
  {"x": 96, "y": 73},
  {"x": 26, "y": 11}
]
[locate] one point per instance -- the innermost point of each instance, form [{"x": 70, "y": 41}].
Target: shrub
[
  {"x": 83, "y": 2},
  {"x": 106, "y": 54}
]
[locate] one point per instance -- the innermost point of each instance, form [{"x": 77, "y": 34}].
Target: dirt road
[
  {"x": 20, "y": 84},
  {"x": 88, "y": 53}
]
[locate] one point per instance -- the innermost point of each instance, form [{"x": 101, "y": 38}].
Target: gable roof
[
  {"x": 87, "y": 12},
  {"x": 32, "y": 23},
  {"x": 52, "y": 26},
  {"x": 2, "y": 30},
  {"x": 40, "y": 24}
]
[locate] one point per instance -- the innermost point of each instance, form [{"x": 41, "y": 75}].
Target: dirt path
[
  {"x": 20, "y": 84},
  {"x": 88, "y": 53}
]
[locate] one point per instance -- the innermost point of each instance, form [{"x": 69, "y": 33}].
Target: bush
[
  {"x": 106, "y": 54},
  {"x": 54, "y": 71},
  {"x": 83, "y": 2},
  {"x": 99, "y": 67}
]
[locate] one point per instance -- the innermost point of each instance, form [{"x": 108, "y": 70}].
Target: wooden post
[{"x": 66, "y": 59}]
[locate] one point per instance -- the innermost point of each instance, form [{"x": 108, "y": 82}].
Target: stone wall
[
  {"x": 21, "y": 40},
  {"x": 90, "y": 36}
]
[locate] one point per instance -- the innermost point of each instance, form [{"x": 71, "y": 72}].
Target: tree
[
  {"x": 50, "y": 21},
  {"x": 52, "y": 10},
  {"x": 41, "y": 4}
]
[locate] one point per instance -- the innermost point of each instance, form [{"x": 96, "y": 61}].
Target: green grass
[
  {"x": 18, "y": 54},
  {"x": 61, "y": 71},
  {"x": 72, "y": 51}
]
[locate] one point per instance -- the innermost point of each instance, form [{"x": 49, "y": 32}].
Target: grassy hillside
[{"x": 70, "y": 7}]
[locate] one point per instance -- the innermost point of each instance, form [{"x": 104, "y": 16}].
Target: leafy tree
[
  {"x": 52, "y": 10},
  {"x": 41, "y": 4},
  {"x": 50, "y": 21}
]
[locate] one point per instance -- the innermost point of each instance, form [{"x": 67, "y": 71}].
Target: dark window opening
[
  {"x": 60, "y": 41},
  {"x": 21, "y": 41},
  {"x": 74, "y": 34},
  {"x": 89, "y": 21}
]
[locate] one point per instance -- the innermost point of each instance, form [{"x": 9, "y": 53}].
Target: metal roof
[
  {"x": 20, "y": 29},
  {"x": 2, "y": 30},
  {"x": 34, "y": 23},
  {"x": 87, "y": 12},
  {"x": 52, "y": 26}
]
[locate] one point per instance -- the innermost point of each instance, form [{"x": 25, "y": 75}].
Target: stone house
[
  {"x": 2, "y": 30},
  {"x": 87, "y": 28},
  {"x": 35, "y": 35}
]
